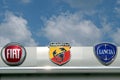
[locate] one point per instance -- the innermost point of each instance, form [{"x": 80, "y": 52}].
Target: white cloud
[
  {"x": 14, "y": 29},
  {"x": 118, "y": 1},
  {"x": 117, "y": 11},
  {"x": 75, "y": 29},
  {"x": 117, "y": 8},
  {"x": 116, "y": 37},
  {"x": 106, "y": 29},
  {"x": 72, "y": 28},
  {"x": 83, "y": 4}
]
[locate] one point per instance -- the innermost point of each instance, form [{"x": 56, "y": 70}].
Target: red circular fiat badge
[{"x": 13, "y": 54}]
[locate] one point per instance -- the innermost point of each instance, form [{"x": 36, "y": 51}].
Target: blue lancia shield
[{"x": 106, "y": 53}]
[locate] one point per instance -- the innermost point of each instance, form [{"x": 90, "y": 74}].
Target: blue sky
[{"x": 80, "y": 22}]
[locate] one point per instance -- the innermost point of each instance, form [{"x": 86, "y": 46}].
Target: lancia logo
[
  {"x": 106, "y": 53},
  {"x": 59, "y": 53},
  {"x": 13, "y": 54}
]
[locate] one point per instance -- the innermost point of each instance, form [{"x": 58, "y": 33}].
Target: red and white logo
[{"x": 13, "y": 54}]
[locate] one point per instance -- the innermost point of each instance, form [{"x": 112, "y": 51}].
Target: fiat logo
[{"x": 13, "y": 54}]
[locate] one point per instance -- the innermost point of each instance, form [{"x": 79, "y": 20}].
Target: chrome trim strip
[{"x": 82, "y": 60}]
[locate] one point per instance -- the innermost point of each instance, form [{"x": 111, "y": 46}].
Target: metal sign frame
[{"x": 83, "y": 60}]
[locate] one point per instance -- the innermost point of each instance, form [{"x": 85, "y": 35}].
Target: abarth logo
[
  {"x": 59, "y": 53},
  {"x": 13, "y": 54}
]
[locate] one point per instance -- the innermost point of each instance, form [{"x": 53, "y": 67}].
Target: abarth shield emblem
[{"x": 59, "y": 53}]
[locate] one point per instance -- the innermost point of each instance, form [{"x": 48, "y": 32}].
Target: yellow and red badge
[{"x": 59, "y": 53}]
